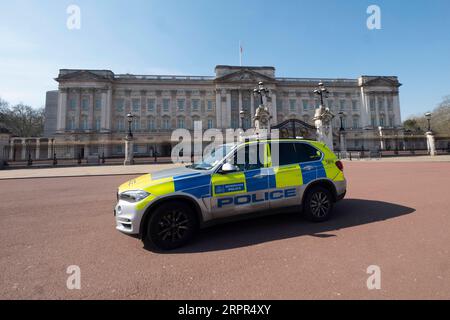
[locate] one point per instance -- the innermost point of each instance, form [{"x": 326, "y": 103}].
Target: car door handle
[
  {"x": 307, "y": 168},
  {"x": 259, "y": 176}
]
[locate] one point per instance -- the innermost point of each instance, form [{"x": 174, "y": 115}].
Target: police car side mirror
[{"x": 228, "y": 168}]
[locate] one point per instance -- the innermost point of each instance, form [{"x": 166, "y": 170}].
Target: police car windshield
[{"x": 211, "y": 159}]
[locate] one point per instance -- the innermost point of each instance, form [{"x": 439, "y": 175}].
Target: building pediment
[
  {"x": 245, "y": 75},
  {"x": 380, "y": 81},
  {"x": 82, "y": 75}
]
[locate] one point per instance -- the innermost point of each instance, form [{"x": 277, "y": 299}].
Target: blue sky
[{"x": 299, "y": 38}]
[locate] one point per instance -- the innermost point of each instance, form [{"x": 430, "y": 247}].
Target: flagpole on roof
[{"x": 240, "y": 53}]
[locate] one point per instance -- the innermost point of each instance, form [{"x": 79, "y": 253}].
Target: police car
[{"x": 235, "y": 180}]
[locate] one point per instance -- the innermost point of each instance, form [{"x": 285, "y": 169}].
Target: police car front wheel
[
  {"x": 318, "y": 204},
  {"x": 170, "y": 226}
]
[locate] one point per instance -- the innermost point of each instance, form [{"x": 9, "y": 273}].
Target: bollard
[{"x": 55, "y": 161}]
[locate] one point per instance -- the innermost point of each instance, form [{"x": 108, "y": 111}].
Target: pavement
[
  {"x": 395, "y": 216},
  {"x": 109, "y": 170},
  {"x": 82, "y": 171}
]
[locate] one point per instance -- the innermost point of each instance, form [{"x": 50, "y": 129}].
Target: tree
[
  {"x": 22, "y": 120},
  {"x": 440, "y": 121}
]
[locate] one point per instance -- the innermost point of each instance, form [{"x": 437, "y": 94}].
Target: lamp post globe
[{"x": 242, "y": 114}]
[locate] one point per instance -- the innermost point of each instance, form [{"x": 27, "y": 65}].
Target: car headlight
[{"x": 134, "y": 195}]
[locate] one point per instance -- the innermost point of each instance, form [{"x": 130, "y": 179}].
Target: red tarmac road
[{"x": 396, "y": 216}]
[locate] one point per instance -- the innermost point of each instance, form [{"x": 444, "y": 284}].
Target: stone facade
[{"x": 92, "y": 105}]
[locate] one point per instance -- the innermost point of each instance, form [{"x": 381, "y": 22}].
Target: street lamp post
[
  {"x": 428, "y": 117},
  {"x": 322, "y": 92},
  {"x": 261, "y": 92},
  {"x": 129, "y": 156},
  {"x": 431, "y": 146},
  {"x": 342, "y": 141}
]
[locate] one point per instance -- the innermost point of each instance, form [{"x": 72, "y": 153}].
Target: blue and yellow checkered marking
[{"x": 196, "y": 184}]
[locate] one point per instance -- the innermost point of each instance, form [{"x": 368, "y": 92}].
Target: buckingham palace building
[{"x": 88, "y": 112}]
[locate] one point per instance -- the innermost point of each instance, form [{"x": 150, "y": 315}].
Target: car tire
[
  {"x": 170, "y": 226},
  {"x": 318, "y": 204}
]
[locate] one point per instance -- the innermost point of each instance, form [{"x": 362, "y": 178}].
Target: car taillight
[{"x": 340, "y": 165}]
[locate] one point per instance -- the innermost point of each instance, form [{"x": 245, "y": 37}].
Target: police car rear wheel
[
  {"x": 318, "y": 204},
  {"x": 171, "y": 226}
]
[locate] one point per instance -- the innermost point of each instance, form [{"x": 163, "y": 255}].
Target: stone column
[
  {"x": 109, "y": 110},
  {"x": 24, "y": 149},
  {"x": 11, "y": 150},
  {"x": 91, "y": 110},
  {"x": 62, "y": 110},
  {"x": 129, "y": 155},
  {"x": 78, "y": 110},
  {"x": 431, "y": 143},
  {"x": 38, "y": 149},
  {"x": 396, "y": 107},
  {"x": 227, "y": 123},
  {"x": 342, "y": 143},
  {"x": 365, "y": 108},
  {"x": 49, "y": 149},
  {"x": 377, "y": 111},
  {"x": 322, "y": 120},
  {"x": 219, "y": 108},
  {"x": 252, "y": 108},
  {"x": 104, "y": 113},
  {"x": 380, "y": 130},
  {"x": 273, "y": 111}
]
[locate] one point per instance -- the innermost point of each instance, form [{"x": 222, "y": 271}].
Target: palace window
[
  {"x": 391, "y": 121},
  {"x": 355, "y": 123},
  {"x": 292, "y": 105},
  {"x": 136, "y": 105},
  {"x": 97, "y": 124},
  {"x": 120, "y": 124},
  {"x": 330, "y": 104},
  {"x": 389, "y": 104},
  {"x": 84, "y": 123},
  {"x": 195, "y": 104},
  {"x": 119, "y": 105},
  {"x": 354, "y": 105},
  {"x": 166, "y": 124},
  {"x": 372, "y": 104},
  {"x": 85, "y": 104},
  {"x": 342, "y": 105},
  {"x": 72, "y": 104},
  {"x": 373, "y": 121},
  {"x": 151, "y": 124},
  {"x": 180, "y": 104},
  {"x": 380, "y": 103},
  {"x": 166, "y": 105},
  {"x": 210, "y": 105},
  {"x": 98, "y": 103},
  {"x": 180, "y": 123},
  {"x": 151, "y": 105},
  {"x": 210, "y": 123},
  {"x": 305, "y": 105},
  {"x": 136, "y": 125},
  {"x": 71, "y": 123}
]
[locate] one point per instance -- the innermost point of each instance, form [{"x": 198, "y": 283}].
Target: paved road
[{"x": 396, "y": 216}]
